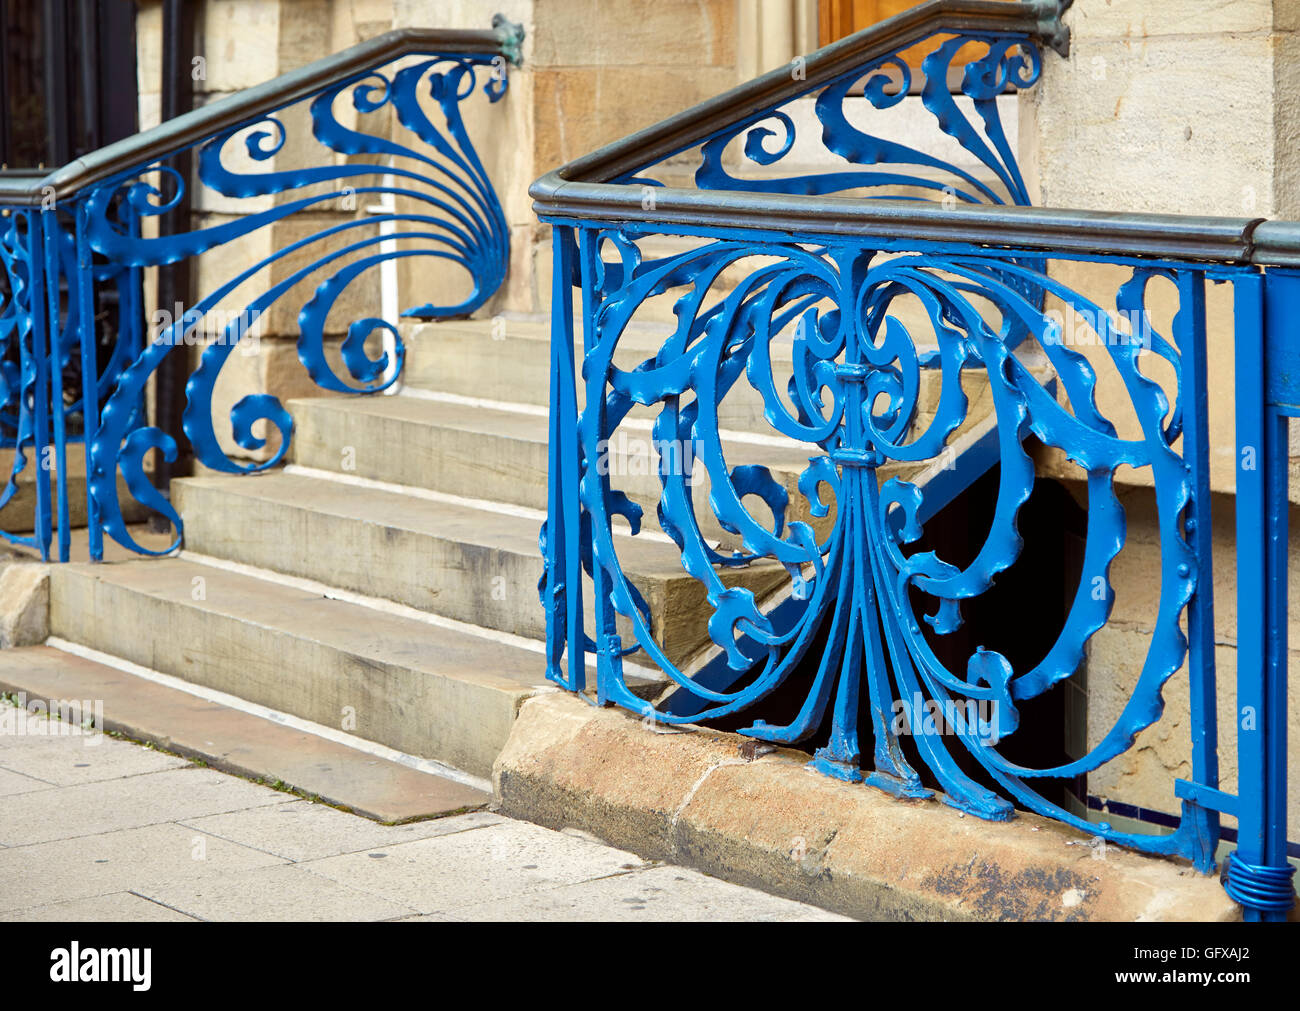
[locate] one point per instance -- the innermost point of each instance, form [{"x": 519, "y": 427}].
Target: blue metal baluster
[
  {"x": 841, "y": 756},
  {"x": 50, "y": 235},
  {"x": 131, "y": 315},
  {"x": 563, "y": 537},
  {"x": 1275, "y": 671},
  {"x": 609, "y": 660},
  {"x": 1282, "y": 301},
  {"x": 84, "y": 285},
  {"x": 1257, "y": 874},
  {"x": 37, "y": 349},
  {"x": 1189, "y": 331}
]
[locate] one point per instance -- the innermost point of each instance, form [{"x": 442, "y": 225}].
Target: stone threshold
[
  {"x": 237, "y": 742},
  {"x": 693, "y": 797}
]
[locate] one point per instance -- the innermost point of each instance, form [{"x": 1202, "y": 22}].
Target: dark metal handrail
[
  {"x": 1163, "y": 235},
  {"x": 582, "y": 190},
  {"x": 251, "y": 103}
]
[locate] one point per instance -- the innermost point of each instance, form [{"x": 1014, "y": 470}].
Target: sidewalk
[{"x": 95, "y": 828}]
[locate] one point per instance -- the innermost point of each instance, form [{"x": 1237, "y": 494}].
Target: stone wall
[
  {"x": 1170, "y": 106},
  {"x": 1144, "y": 775},
  {"x": 1180, "y": 107}
]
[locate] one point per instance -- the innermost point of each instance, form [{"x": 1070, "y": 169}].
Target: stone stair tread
[
  {"x": 236, "y": 741},
  {"x": 366, "y": 632},
  {"x": 418, "y": 686},
  {"x": 432, "y": 413},
  {"x": 443, "y": 556},
  {"x": 514, "y": 531},
  {"x": 644, "y": 337},
  {"x": 526, "y": 425},
  {"x": 382, "y": 507},
  {"x": 142, "y": 533},
  {"x": 17, "y": 515}
]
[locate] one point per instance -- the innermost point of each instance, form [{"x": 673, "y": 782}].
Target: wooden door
[{"x": 838, "y": 18}]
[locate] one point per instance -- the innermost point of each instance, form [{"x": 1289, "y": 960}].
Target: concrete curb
[{"x": 771, "y": 823}]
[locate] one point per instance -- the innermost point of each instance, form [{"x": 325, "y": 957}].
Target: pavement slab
[
  {"x": 130, "y": 802},
  {"x": 190, "y": 843},
  {"x": 300, "y": 830},
  {"x": 655, "y": 894},
  {"x": 511, "y": 859},
  {"x": 285, "y": 892},
  {"x": 126, "y": 860},
  {"x": 12, "y": 783},
  {"x": 91, "y": 758},
  {"x": 118, "y": 907}
]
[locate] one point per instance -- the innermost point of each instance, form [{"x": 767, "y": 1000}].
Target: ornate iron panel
[
  {"x": 860, "y": 336},
  {"x": 372, "y": 166}
]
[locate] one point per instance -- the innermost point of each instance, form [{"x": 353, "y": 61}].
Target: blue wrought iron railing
[
  {"x": 839, "y": 299},
  {"x": 378, "y": 124}
]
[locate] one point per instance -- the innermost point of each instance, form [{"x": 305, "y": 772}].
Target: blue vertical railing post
[
  {"x": 131, "y": 317},
  {"x": 608, "y": 644},
  {"x": 1190, "y": 333},
  {"x": 1258, "y": 875},
  {"x": 564, "y": 628},
  {"x": 37, "y": 366},
  {"x": 51, "y": 234},
  {"x": 82, "y": 289}
]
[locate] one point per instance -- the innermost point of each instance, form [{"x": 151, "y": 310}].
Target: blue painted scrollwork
[
  {"x": 852, "y": 628},
  {"x": 437, "y": 204},
  {"x": 18, "y": 364},
  {"x": 858, "y": 160}
]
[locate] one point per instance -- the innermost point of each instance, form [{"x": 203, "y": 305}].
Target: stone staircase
[{"x": 384, "y": 582}]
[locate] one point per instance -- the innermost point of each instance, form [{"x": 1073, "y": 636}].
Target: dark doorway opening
[
  {"x": 67, "y": 80},
  {"x": 1020, "y": 616},
  {"x": 68, "y": 87}
]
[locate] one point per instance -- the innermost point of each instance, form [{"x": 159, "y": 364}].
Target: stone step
[
  {"x": 508, "y": 360},
  {"x": 440, "y": 445},
  {"x": 412, "y": 685},
  {"x": 501, "y": 455},
  {"x": 447, "y": 557},
  {"x": 237, "y": 741},
  {"x": 18, "y": 514},
  {"x": 505, "y": 358}
]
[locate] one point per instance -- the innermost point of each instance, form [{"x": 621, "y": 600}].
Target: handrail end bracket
[
  {"x": 1052, "y": 29},
  {"x": 511, "y": 34}
]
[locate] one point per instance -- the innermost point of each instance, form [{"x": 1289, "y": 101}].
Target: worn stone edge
[{"x": 772, "y": 823}]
